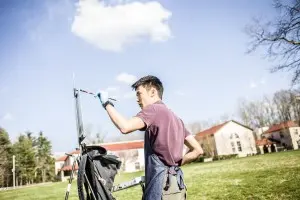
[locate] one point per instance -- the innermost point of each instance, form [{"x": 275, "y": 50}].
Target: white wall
[
  {"x": 129, "y": 159},
  {"x": 295, "y": 136},
  {"x": 246, "y": 138},
  {"x": 58, "y": 165}
]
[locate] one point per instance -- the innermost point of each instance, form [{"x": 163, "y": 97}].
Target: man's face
[{"x": 143, "y": 96}]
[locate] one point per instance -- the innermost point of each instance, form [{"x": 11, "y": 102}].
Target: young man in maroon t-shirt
[{"x": 165, "y": 136}]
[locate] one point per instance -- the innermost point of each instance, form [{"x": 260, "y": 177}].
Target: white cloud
[
  {"x": 126, "y": 78},
  {"x": 112, "y": 89},
  {"x": 112, "y": 28},
  {"x": 7, "y": 117},
  {"x": 130, "y": 95}
]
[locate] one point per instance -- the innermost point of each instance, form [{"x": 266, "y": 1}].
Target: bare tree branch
[{"x": 280, "y": 37}]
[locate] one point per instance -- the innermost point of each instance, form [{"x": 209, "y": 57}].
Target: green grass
[{"x": 270, "y": 176}]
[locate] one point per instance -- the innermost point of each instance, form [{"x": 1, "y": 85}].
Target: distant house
[
  {"x": 131, "y": 153},
  {"x": 227, "y": 138},
  {"x": 63, "y": 166},
  {"x": 285, "y": 135},
  {"x": 266, "y": 146}
]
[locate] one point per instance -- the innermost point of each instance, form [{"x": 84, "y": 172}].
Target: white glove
[{"x": 103, "y": 96}]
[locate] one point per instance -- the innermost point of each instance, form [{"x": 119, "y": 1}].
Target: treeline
[
  {"x": 33, "y": 160},
  {"x": 282, "y": 106}
]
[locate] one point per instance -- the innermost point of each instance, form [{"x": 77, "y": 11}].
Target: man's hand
[
  {"x": 103, "y": 97},
  {"x": 194, "y": 152}
]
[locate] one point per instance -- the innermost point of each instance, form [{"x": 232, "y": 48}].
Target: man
[{"x": 165, "y": 136}]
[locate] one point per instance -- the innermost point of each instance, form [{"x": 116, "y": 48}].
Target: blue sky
[{"x": 197, "y": 48}]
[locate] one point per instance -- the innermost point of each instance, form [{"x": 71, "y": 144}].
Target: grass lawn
[{"x": 270, "y": 176}]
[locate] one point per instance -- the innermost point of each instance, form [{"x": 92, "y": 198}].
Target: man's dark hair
[{"x": 148, "y": 82}]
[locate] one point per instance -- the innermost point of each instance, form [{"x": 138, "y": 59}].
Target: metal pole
[
  {"x": 13, "y": 171},
  {"x": 79, "y": 122}
]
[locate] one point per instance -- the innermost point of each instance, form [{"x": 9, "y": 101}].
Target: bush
[
  {"x": 224, "y": 157},
  {"x": 201, "y": 159}
]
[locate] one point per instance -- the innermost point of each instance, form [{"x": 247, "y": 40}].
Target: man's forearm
[
  {"x": 119, "y": 121},
  {"x": 190, "y": 157}
]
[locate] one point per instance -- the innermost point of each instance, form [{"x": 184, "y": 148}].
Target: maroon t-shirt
[{"x": 166, "y": 132}]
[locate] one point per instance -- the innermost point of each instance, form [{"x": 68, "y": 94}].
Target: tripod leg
[{"x": 70, "y": 181}]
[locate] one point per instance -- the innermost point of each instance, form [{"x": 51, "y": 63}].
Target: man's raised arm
[{"x": 123, "y": 124}]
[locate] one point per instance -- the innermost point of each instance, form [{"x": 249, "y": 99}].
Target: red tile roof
[
  {"x": 283, "y": 125},
  {"x": 264, "y": 141},
  {"x": 68, "y": 168},
  {"x": 214, "y": 129},
  {"x": 210, "y": 131},
  {"x": 119, "y": 146},
  {"x": 63, "y": 158}
]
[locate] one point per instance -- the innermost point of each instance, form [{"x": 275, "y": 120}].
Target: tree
[
  {"x": 288, "y": 105},
  {"x": 258, "y": 113},
  {"x": 283, "y": 100},
  {"x": 44, "y": 160},
  {"x": 25, "y": 159},
  {"x": 96, "y": 138},
  {"x": 281, "y": 36},
  {"x": 208, "y": 144},
  {"x": 194, "y": 127},
  {"x": 5, "y": 158},
  {"x": 197, "y": 126}
]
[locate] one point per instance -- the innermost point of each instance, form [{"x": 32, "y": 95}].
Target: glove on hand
[{"x": 103, "y": 96}]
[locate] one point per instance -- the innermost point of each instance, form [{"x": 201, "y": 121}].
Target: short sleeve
[
  {"x": 186, "y": 132},
  {"x": 148, "y": 115}
]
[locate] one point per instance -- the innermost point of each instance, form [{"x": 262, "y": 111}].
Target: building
[
  {"x": 285, "y": 135},
  {"x": 63, "y": 166},
  {"x": 227, "y": 138},
  {"x": 131, "y": 153}
]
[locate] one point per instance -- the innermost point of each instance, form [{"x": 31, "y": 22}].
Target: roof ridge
[{"x": 217, "y": 127}]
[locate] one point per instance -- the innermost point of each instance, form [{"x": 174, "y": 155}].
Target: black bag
[{"x": 97, "y": 171}]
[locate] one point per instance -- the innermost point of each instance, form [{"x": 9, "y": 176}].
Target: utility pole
[{"x": 13, "y": 171}]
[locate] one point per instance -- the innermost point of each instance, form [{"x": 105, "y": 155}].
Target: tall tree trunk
[{"x": 44, "y": 175}]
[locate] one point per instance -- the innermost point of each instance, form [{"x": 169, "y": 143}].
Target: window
[
  {"x": 234, "y": 135},
  {"x": 137, "y": 165},
  {"x": 239, "y": 145},
  {"x": 281, "y": 135},
  {"x": 235, "y": 142},
  {"x": 233, "y": 147},
  {"x": 296, "y": 131}
]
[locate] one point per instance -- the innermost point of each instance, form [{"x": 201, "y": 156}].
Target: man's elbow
[
  {"x": 125, "y": 130},
  {"x": 199, "y": 152}
]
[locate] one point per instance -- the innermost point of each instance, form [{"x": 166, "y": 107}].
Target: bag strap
[{"x": 82, "y": 165}]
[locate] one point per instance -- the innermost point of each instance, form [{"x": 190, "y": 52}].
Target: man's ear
[{"x": 152, "y": 92}]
